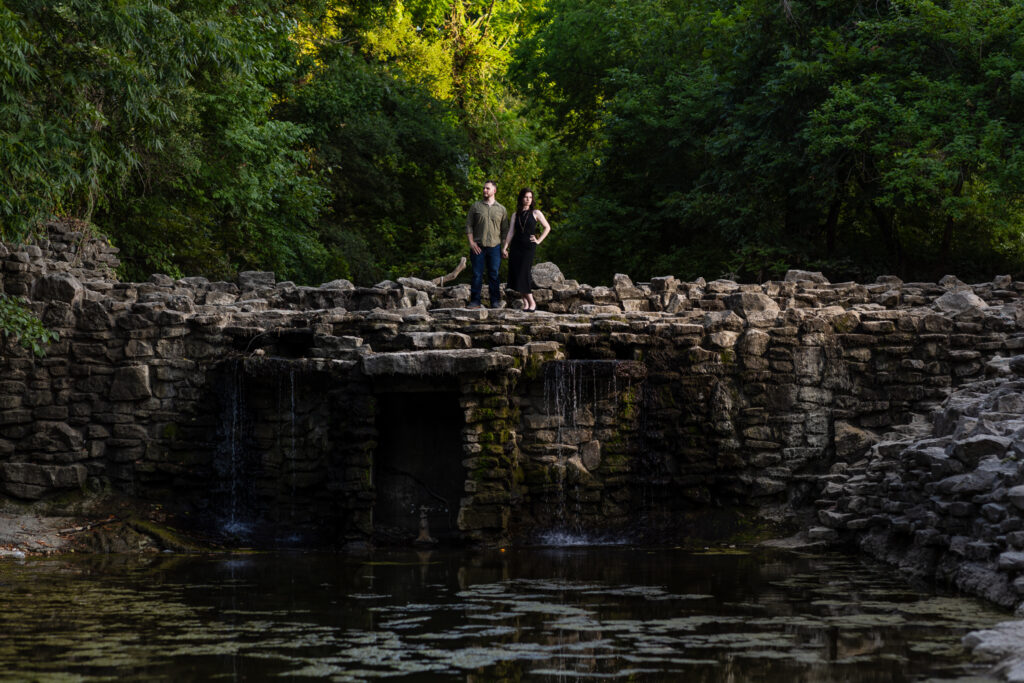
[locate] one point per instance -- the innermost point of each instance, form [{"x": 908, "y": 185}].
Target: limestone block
[
  {"x": 435, "y": 340},
  {"x": 971, "y": 482},
  {"x": 1016, "y": 539},
  {"x": 754, "y": 342},
  {"x": 603, "y": 295},
  {"x": 993, "y": 512},
  {"x": 723, "y": 320},
  {"x": 130, "y": 383},
  {"x": 1016, "y": 496},
  {"x": 137, "y": 348},
  {"x": 723, "y": 339},
  {"x": 434, "y": 363},
  {"x": 338, "y": 284},
  {"x": 636, "y": 305},
  {"x": 545, "y": 275},
  {"x": 215, "y": 298},
  {"x": 57, "y": 287},
  {"x": 958, "y": 302},
  {"x": 952, "y": 283},
  {"x": 251, "y": 279},
  {"x": 852, "y": 442},
  {"x": 805, "y": 276},
  {"x": 32, "y": 481},
  {"x": 665, "y": 283},
  {"x": 1012, "y": 560},
  {"x": 759, "y": 310},
  {"x": 52, "y": 437},
  {"x": 969, "y": 451},
  {"x": 590, "y": 454},
  {"x": 808, "y": 362}
]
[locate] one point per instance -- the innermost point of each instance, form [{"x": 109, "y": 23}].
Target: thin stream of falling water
[
  {"x": 293, "y": 458},
  {"x": 233, "y": 438},
  {"x": 565, "y": 385}
]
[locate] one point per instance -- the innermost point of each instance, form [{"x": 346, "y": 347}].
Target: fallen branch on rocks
[
  {"x": 88, "y": 526},
  {"x": 440, "y": 281}
]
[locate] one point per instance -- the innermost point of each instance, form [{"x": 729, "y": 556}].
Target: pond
[{"x": 570, "y": 613}]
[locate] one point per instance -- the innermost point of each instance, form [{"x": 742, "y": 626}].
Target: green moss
[
  {"x": 501, "y": 437},
  {"x": 532, "y": 368},
  {"x": 629, "y": 395},
  {"x": 844, "y": 323},
  {"x": 165, "y": 536},
  {"x": 727, "y": 356}
]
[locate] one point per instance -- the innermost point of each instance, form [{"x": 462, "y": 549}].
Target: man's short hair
[{"x": 492, "y": 182}]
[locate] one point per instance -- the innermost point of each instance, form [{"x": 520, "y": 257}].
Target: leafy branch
[{"x": 18, "y": 323}]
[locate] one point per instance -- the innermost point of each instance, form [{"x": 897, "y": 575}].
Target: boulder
[
  {"x": 546, "y": 275},
  {"x": 805, "y": 276},
  {"x": 953, "y": 284},
  {"x": 590, "y": 455},
  {"x": 1016, "y": 496},
  {"x": 338, "y": 284},
  {"x": 251, "y": 279},
  {"x": 960, "y": 301},
  {"x": 131, "y": 383},
  {"x": 970, "y": 450},
  {"x": 758, "y": 309},
  {"x": 57, "y": 287},
  {"x": 852, "y": 442}
]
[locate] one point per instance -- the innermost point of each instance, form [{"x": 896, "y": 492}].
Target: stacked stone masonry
[{"x": 687, "y": 395}]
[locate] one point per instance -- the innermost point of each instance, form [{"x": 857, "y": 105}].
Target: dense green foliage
[
  {"x": 750, "y": 136},
  {"x": 325, "y": 139},
  {"x": 17, "y": 323}
]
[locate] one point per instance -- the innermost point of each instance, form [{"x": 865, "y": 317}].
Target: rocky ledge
[{"x": 671, "y": 397}]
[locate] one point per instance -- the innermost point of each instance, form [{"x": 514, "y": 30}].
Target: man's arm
[{"x": 473, "y": 247}]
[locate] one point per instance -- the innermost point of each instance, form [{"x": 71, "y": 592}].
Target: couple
[{"x": 486, "y": 222}]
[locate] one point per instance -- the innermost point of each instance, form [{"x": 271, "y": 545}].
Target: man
[{"x": 486, "y": 223}]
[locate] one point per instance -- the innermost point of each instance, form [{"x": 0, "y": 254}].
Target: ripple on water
[{"x": 498, "y": 616}]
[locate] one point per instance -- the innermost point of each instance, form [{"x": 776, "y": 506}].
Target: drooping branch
[{"x": 440, "y": 281}]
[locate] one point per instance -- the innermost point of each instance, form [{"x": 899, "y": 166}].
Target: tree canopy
[{"x": 324, "y": 138}]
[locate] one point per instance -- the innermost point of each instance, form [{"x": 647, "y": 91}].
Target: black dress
[{"x": 520, "y": 253}]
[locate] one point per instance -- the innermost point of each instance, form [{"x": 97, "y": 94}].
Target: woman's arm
[
  {"x": 508, "y": 237},
  {"x": 539, "y": 215}
]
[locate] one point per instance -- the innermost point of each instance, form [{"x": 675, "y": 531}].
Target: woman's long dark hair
[{"x": 522, "y": 194}]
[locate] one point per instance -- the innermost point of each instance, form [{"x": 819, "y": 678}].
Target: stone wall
[
  {"x": 943, "y": 498},
  {"x": 700, "y": 395}
]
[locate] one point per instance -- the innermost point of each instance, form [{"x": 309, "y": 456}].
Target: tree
[
  {"x": 749, "y": 137},
  {"x": 154, "y": 119}
]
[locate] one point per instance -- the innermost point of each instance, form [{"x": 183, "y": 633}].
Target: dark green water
[{"x": 564, "y": 614}]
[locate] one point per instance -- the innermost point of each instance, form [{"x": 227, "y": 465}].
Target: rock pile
[{"x": 946, "y": 503}]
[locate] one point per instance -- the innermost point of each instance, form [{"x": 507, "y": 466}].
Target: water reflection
[{"x": 542, "y": 614}]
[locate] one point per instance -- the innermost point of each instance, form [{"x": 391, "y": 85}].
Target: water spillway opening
[
  {"x": 417, "y": 466},
  {"x": 279, "y": 455}
]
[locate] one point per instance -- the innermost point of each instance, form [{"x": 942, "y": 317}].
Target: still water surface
[{"x": 562, "y": 614}]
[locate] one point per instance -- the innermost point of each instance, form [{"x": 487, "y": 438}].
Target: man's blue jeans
[{"x": 491, "y": 258}]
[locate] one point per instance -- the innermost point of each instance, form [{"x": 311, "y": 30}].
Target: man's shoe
[{"x": 473, "y": 304}]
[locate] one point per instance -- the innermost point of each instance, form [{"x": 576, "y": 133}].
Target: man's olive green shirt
[{"x": 487, "y": 223}]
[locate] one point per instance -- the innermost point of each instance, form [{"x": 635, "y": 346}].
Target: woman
[{"x": 523, "y": 240}]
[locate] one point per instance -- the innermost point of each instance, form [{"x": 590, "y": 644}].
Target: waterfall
[
  {"x": 579, "y": 398},
  {"x": 231, "y": 453}
]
